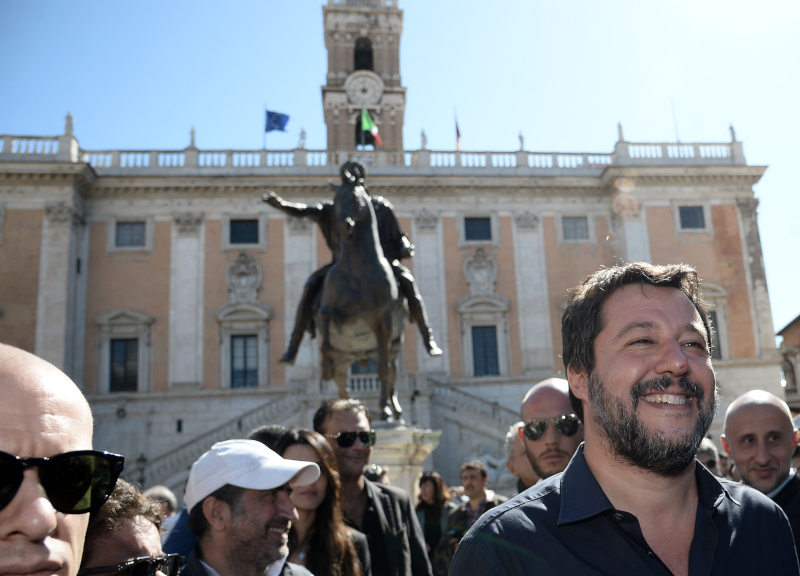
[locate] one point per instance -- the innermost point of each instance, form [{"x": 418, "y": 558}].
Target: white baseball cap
[{"x": 246, "y": 464}]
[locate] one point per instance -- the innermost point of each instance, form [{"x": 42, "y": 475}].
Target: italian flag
[{"x": 368, "y": 125}]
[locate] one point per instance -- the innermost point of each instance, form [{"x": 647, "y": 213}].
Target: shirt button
[
  {"x": 651, "y": 554},
  {"x": 618, "y": 517}
]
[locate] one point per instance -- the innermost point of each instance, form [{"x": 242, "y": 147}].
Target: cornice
[{"x": 683, "y": 175}]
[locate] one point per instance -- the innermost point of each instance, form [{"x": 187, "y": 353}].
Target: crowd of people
[{"x": 615, "y": 472}]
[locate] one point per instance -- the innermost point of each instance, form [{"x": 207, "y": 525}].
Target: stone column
[
  {"x": 402, "y": 450},
  {"x": 300, "y": 242},
  {"x": 754, "y": 260},
  {"x": 536, "y": 338},
  {"x": 632, "y": 237},
  {"x": 186, "y": 301}
]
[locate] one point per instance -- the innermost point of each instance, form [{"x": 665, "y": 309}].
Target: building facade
[{"x": 165, "y": 287}]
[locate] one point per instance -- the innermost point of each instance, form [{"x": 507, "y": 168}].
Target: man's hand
[{"x": 272, "y": 199}]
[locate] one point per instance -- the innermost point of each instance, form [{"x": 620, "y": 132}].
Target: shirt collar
[
  {"x": 582, "y": 497},
  {"x": 777, "y": 490},
  {"x": 272, "y": 570}
]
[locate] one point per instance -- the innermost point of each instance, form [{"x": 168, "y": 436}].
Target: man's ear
[
  {"x": 511, "y": 467},
  {"x": 727, "y": 446},
  {"x": 217, "y": 513},
  {"x": 578, "y": 383}
]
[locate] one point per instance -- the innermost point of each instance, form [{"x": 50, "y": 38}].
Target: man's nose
[
  {"x": 762, "y": 454},
  {"x": 285, "y": 506},
  {"x": 30, "y": 512},
  {"x": 551, "y": 436},
  {"x": 672, "y": 359}
]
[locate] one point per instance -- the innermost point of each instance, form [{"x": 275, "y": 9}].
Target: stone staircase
[{"x": 448, "y": 396}]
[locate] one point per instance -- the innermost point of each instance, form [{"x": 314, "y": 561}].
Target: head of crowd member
[
  {"x": 239, "y": 506},
  {"x": 165, "y": 499},
  {"x": 517, "y": 458},
  {"x": 44, "y": 504},
  {"x": 346, "y": 425},
  {"x": 378, "y": 474},
  {"x": 269, "y": 435},
  {"x": 708, "y": 456},
  {"x": 761, "y": 438},
  {"x": 636, "y": 348},
  {"x": 433, "y": 492},
  {"x": 321, "y": 503},
  {"x": 723, "y": 465},
  {"x": 474, "y": 479},
  {"x": 552, "y": 431},
  {"x": 123, "y": 536}
]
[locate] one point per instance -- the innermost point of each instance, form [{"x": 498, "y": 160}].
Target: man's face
[
  {"x": 40, "y": 416},
  {"x": 135, "y": 538},
  {"x": 353, "y": 459},
  {"x": 520, "y": 466},
  {"x": 551, "y": 453},
  {"x": 761, "y": 439},
  {"x": 474, "y": 483},
  {"x": 258, "y": 532},
  {"x": 652, "y": 393}
]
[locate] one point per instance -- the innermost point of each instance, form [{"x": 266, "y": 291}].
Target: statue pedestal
[{"x": 402, "y": 451}]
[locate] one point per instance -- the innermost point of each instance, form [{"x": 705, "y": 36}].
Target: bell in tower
[{"x": 363, "y": 42}]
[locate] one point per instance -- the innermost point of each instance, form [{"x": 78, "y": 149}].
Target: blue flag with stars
[{"x": 276, "y": 121}]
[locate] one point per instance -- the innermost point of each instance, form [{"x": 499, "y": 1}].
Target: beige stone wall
[
  {"x": 507, "y": 286},
  {"x": 19, "y": 258},
  {"x": 457, "y": 287},
  {"x": 136, "y": 280}
]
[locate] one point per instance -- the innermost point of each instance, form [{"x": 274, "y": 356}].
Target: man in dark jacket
[
  {"x": 239, "y": 509},
  {"x": 383, "y": 513}
]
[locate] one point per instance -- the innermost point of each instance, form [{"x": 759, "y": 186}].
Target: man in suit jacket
[
  {"x": 239, "y": 509},
  {"x": 761, "y": 438},
  {"x": 383, "y": 513}
]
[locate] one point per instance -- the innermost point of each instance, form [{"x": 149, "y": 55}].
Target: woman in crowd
[
  {"x": 320, "y": 540},
  {"x": 432, "y": 510}
]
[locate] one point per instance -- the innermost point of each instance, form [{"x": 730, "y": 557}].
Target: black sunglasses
[
  {"x": 145, "y": 566},
  {"x": 75, "y": 482},
  {"x": 566, "y": 424},
  {"x": 347, "y": 438}
]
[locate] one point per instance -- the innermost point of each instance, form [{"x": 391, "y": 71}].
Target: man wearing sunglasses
[
  {"x": 633, "y": 499},
  {"x": 551, "y": 431},
  {"x": 49, "y": 476},
  {"x": 384, "y": 513}
]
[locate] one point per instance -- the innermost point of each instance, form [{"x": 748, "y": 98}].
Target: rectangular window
[
  {"x": 477, "y": 228},
  {"x": 575, "y": 228},
  {"x": 244, "y": 232},
  {"x": 130, "y": 233},
  {"x": 244, "y": 361},
  {"x": 692, "y": 217},
  {"x": 716, "y": 351},
  {"x": 124, "y": 365},
  {"x": 484, "y": 350}
]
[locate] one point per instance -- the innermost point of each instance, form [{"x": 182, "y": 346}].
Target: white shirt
[{"x": 777, "y": 490}]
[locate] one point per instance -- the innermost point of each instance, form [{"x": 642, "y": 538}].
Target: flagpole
[
  {"x": 363, "y": 143},
  {"x": 265, "y": 126}
]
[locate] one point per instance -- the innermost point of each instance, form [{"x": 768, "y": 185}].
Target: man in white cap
[{"x": 239, "y": 509}]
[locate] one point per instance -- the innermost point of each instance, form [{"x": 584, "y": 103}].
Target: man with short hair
[
  {"x": 633, "y": 500},
  {"x": 517, "y": 459},
  {"x": 384, "y": 513},
  {"x": 240, "y": 511},
  {"x": 552, "y": 431},
  {"x": 761, "y": 438},
  {"x": 708, "y": 456},
  {"x": 45, "y": 433}
]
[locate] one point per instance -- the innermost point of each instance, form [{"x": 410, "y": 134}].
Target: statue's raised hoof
[
  {"x": 433, "y": 349},
  {"x": 397, "y": 411},
  {"x": 386, "y": 411},
  {"x": 290, "y": 355}
]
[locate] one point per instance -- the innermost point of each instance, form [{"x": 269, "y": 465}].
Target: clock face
[{"x": 363, "y": 89}]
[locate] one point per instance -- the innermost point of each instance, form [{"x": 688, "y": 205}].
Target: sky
[{"x": 140, "y": 75}]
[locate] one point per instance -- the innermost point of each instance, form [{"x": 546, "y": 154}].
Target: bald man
[
  {"x": 760, "y": 438},
  {"x": 42, "y": 414},
  {"x": 551, "y": 432}
]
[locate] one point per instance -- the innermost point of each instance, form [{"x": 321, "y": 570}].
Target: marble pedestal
[{"x": 402, "y": 450}]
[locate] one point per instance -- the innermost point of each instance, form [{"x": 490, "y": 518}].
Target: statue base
[{"x": 402, "y": 449}]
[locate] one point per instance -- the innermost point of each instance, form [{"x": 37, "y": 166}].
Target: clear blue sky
[{"x": 139, "y": 75}]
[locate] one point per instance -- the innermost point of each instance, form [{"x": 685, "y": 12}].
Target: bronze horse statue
[{"x": 361, "y": 312}]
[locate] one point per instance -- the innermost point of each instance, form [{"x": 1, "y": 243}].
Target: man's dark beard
[
  {"x": 535, "y": 462},
  {"x": 632, "y": 442}
]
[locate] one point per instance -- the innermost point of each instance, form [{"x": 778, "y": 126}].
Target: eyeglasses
[
  {"x": 75, "y": 482},
  {"x": 566, "y": 424},
  {"x": 347, "y": 438},
  {"x": 145, "y": 566}
]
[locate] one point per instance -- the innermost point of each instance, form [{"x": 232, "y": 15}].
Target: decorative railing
[
  {"x": 359, "y": 383},
  {"x": 276, "y": 411},
  {"x": 460, "y": 400}
]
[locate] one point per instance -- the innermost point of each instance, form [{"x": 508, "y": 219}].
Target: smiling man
[
  {"x": 761, "y": 438},
  {"x": 240, "y": 510},
  {"x": 634, "y": 500}
]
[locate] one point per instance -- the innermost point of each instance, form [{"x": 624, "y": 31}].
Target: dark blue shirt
[{"x": 567, "y": 525}]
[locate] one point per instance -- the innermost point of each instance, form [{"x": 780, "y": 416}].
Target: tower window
[
  {"x": 484, "y": 350},
  {"x": 363, "y": 136},
  {"x": 363, "y": 55}
]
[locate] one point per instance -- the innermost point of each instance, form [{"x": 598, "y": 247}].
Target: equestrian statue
[{"x": 363, "y": 298}]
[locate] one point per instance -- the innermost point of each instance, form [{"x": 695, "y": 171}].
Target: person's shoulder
[
  {"x": 391, "y": 491},
  {"x": 540, "y": 501},
  {"x": 290, "y": 569},
  {"x": 498, "y": 499},
  {"x": 358, "y": 538},
  {"x": 750, "y": 500}
]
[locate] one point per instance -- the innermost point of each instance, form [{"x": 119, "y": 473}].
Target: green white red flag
[{"x": 368, "y": 125}]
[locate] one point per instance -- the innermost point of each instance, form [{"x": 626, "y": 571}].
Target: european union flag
[{"x": 276, "y": 121}]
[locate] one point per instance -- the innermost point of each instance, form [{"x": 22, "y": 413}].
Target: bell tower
[{"x": 363, "y": 42}]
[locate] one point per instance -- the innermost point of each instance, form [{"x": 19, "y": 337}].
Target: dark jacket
[
  {"x": 789, "y": 501},
  {"x": 400, "y": 531},
  {"x": 362, "y": 551},
  {"x": 194, "y": 568},
  {"x": 438, "y": 568}
]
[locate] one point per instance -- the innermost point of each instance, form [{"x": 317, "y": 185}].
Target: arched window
[{"x": 362, "y": 57}]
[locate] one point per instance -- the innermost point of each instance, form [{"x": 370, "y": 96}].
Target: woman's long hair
[
  {"x": 330, "y": 549},
  {"x": 440, "y": 495}
]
